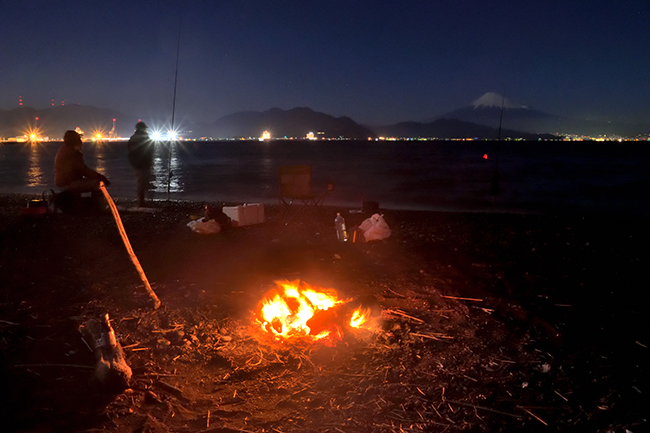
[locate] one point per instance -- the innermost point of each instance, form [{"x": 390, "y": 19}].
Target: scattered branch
[
  {"x": 403, "y": 314},
  {"x": 435, "y": 336},
  {"x": 461, "y": 299},
  {"x": 395, "y": 293},
  {"x": 532, "y": 414},
  {"x": 460, "y": 403}
]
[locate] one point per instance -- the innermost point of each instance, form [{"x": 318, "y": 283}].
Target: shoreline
[{"x": 549, "y": 211}]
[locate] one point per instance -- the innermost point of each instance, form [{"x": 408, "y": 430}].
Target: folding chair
[{"x": 296, "y": 194}]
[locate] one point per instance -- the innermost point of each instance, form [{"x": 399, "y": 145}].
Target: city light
[
  {"x": 157, "y": 135},
  {"x": 266, "y": 135},
  {"x": 33, "y": 135},
  {"x": 97, "y": 135}
]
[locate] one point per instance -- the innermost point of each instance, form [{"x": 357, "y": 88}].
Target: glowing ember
[{"x": 296, "y": 309}]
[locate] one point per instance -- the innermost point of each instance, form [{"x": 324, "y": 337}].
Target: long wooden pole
[{"x": 127, "y": 244}]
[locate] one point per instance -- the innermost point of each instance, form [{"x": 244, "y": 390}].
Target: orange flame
[
  {"x": 359, "y": 317},
  {"x": 290, "y": 310}
]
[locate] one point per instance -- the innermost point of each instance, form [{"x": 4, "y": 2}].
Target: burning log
[
  {"x": 344, "y": 316},
  {"x": 112, "y": 372},
  {"x": 296, "y": 309},
  {"x": 327, "y": 320}
]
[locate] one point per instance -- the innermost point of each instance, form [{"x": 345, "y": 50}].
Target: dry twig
[
  {"x": 435, "y": 336},
  {"x": 460, "y": 403},
  {"x": 403, "y": 314},
  {"x": 461, "y": 299},
  {"x": 395, "y": 293},
  {"x": 532, "y": 414}
]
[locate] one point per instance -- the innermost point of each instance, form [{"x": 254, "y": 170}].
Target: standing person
[
  {"x": 141, "y": 150},
  {"x": 71, "y": 173}
]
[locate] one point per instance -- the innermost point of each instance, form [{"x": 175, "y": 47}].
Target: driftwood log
[{"x": 112, "y": 373}]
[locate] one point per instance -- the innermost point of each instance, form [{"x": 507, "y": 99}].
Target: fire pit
[{"x": 295, "y": 309}]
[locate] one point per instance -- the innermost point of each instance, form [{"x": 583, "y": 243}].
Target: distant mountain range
[
  {"x": 487, "y": 110},
  {"x": 454, "y": 129},
  {"x": 297, "y": 122},
  {"x": 480, "y": 119}
]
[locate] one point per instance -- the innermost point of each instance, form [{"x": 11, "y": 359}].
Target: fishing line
[
  {"x": 170, "y": 143},
  {"x": 495, "y": 175}
]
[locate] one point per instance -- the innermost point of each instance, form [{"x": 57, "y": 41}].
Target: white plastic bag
[
  {"x": 375, "y": 228},
  {"x": 204, "y": 227}
]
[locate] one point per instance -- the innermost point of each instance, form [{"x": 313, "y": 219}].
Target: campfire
[{"x": 294, "y": 309}]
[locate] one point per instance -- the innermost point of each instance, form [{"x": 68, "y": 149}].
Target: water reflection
[
  {"x": 427, "y": 176},
  {"x": 35, "y": 171},
  {"x": 100, "y": 155},
  {"x": 167, "y": 169},
  {"x": 268, "y": 168}
]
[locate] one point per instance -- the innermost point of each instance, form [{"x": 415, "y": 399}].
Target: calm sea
[{"x": 452, "y": 176}]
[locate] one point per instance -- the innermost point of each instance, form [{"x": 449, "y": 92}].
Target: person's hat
[
  {"x": 141, "y": 125},
  {"x": 71, "y": 138}
]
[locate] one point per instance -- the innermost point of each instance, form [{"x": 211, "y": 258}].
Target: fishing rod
[
  {"x": 495, "y": 175},
  {"x": 169, "y": 161}
]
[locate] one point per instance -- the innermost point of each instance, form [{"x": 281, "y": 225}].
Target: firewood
[{"x": 339, "y": 315}]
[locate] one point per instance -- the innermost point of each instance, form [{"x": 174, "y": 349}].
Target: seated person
[
  {"x": 71, "y": 172},
  {"x": 74, "y": 177}
]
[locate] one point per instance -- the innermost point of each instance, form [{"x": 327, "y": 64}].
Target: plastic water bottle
[
  {"x": 341, "y": 232},
  {"x": 109, "y": 342}
]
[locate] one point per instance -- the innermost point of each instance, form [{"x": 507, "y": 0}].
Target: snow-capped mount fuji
[
  {"x": 487, "y": 110},
  {"x": 494, "y": 110},
  {"x": 480, "y": 119},
  {"x": 491, "y": 100}
]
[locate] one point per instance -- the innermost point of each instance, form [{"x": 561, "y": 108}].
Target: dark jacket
[
  {"x": 141, "y": 150},
  {"x": 69, "y": 166}
]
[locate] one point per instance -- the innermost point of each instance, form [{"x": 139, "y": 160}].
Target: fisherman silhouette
[{"x": 140, "y": 152}]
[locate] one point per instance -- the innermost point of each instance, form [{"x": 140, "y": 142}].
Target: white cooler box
[{"x": 246, "y": 214}]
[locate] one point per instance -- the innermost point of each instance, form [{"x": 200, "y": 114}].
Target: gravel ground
[{"x": 486, "y": 322}]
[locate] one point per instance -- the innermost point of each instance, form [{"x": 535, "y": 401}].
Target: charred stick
[
  {"x": 460, "y": 403},
  {"x": 170, "y": 388},
  {"x": 461, "y": 299}
]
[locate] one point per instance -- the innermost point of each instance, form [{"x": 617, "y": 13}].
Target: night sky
[{"x": 377, "y": 62}]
